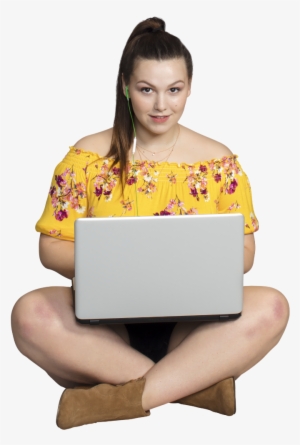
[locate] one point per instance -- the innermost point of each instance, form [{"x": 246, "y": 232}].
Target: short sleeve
[
  {"x": 235, "y": 193},
  {"x": 66, "y": 200}
]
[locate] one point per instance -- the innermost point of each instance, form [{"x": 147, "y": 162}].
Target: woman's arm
[
  {"x": 249, "y": 251},
  {"x": 57, "y": 255}
]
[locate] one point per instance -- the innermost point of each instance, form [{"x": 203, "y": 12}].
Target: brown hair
[{"x": 148, "y": 40}]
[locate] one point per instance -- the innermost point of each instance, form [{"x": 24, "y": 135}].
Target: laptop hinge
[
  {"x": 94, "y": 321},
  {"x": 73, "y": 283}
]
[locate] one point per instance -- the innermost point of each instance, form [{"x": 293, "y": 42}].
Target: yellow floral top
[{"x": 83, "y": 186}]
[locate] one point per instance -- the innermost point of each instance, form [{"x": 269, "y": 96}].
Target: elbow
[
  {"x": 248, "y": 260},
  {"x": 43, "y": 261},
  {"x": 44, "y": 251},
  {"x": 247, "y": 268}
]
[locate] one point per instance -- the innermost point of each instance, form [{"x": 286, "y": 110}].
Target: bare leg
[
  {"x": 212, "y": 352},
  {"x": 45, "y": 331}
]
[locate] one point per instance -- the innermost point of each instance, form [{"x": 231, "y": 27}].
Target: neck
[{"x": 156, "y": 142}]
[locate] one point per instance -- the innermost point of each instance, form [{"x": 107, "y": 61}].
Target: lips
[{"x": 159, "y": 119}]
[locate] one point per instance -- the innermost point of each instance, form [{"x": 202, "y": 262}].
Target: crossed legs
[{"x": 199, "y": 354}]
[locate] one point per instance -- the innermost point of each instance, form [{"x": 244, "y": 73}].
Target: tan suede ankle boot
[
  {"x": 219, "y": 398},
  {"x": 101, "y": 403}
]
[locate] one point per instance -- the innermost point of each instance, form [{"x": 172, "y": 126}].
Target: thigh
[
  {"x": 121, "y": 330},
  {"x": 180, "y": 332},
  {"x": 51, "y": 306}
]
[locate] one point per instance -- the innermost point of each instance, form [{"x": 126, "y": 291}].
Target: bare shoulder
[
  {"x": 218, "y": 149},
  {"x": 97, "y": 143},
  {"x": 206, "y": 148}
]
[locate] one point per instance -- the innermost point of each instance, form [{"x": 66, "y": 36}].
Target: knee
[
  {"x": 31, "y": 316},
  {"x": 278, "y": 310},
  {"x": 272, "y": 313}
]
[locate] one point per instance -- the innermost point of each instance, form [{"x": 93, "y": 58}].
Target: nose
[{"x": 160, "y": 103}]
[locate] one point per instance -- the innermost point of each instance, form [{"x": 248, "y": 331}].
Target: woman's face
[{"x": 158, "y": 91}]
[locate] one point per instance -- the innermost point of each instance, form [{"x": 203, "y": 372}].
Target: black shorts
[{"x": 151, "y": 339}]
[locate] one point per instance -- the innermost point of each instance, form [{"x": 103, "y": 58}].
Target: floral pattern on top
[
  {"x": 85, "y": 184},
  {"x": 235, "y": 205},
  {"x": 105, "y": 181},
  {"x": 127, "y": 205},
  {"x": 55, "y": 233},
  {"x": 143, "y": 168},
  {"x": 172, "y": 177},
  {"x": 254, "y": 222},
  {"x": 171, "y": 209},
  {"x": 197, "y": 182},
  {"x": 91, "y": 212},
  {"x": 132, "y": 172},
  {"x": 230, "y": 169},
  {"x": 65, "y": 194},
  {"x": 216, "y": 169}
]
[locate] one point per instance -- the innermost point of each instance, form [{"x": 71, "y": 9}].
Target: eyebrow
[{"x": 144, "y": 81}]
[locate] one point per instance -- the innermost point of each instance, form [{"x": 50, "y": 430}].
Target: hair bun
[
  {"x": 148, "y": 26},
  {"x": 155, "y": 29}
]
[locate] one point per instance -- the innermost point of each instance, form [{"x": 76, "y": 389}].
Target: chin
[{"x": 160, "y": 128}]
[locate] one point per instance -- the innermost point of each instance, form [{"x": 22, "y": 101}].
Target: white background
[{"x": 59, "y": 69}]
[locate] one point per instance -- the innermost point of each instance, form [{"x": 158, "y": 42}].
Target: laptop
[{"x": 158, "y": 268}]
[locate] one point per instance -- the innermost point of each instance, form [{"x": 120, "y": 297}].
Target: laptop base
[
  {"x": 180, "y": 318},
  {"x": 161, "y": 319}
]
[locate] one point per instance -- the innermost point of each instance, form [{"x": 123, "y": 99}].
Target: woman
[{"x": 122, "y": 371}]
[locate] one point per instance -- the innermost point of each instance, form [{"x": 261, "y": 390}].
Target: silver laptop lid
[{"x": 149, "y": 268}]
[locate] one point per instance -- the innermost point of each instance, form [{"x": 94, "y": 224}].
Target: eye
[
  {"x": 174, "y": 88},
  {"x": 146, "y": 88}
]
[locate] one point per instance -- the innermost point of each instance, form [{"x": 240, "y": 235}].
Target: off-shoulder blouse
[{"x": 84, "y": 186}]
